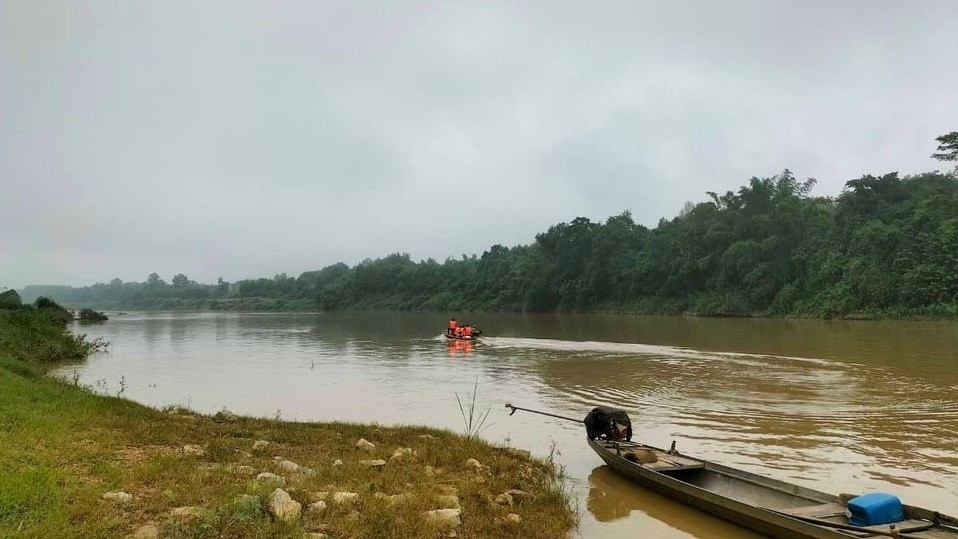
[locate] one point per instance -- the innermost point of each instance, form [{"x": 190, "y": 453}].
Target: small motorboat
[
  {"x": 769, "y": 506},
  {"x": 475, "y": 336}
]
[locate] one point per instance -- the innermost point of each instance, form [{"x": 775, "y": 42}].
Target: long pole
[{"x": 514, "y": 408}]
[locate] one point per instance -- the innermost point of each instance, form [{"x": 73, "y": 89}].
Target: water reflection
[
  {"x": 834, "y": 406},
  {"x": 460, "y": 348},
  {"x": 611, "y": 497}
]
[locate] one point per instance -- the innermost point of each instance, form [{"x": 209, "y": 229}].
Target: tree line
[{"x": 887, "y": 245}]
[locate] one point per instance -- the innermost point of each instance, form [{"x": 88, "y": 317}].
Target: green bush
[
  {"x": 10, "y": 300},
  {"x": 41, "y": 336},
  {"x": 52, "y": 310},
  {"x": 89, "y": 315}
]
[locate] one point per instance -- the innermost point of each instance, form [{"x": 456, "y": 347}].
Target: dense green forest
[{"x": 886, "y": 245}]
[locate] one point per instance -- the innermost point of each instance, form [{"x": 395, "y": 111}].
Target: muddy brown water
[{"x": 839, "y": 406}]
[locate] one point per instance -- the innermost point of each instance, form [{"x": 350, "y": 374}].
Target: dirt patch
[{"x": 132, "y": 453}]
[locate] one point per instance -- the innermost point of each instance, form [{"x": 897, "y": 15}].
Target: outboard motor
[{"x": 608, "y": 423}]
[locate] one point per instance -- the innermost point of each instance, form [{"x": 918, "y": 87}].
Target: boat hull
[
  {"x": 461, "y": 337},
  {"x": 753, "y": 501}
]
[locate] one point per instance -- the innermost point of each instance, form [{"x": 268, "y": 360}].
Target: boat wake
[{"x": 666, "y": 352}]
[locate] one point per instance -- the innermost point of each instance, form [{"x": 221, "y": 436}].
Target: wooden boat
[{"x": 766, "y": 505}]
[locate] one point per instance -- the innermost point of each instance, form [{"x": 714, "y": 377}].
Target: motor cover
[{"x": 608, "y": 423}]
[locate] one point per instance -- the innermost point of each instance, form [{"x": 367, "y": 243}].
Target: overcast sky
[{"x": 244, "y": 139}]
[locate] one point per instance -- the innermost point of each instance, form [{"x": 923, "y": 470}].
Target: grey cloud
[{"x": 242, "y": 139}]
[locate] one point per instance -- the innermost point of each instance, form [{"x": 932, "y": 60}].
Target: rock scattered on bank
[
  {"x": 118, "y": 497},
  {"x": 282, "y": 506}
]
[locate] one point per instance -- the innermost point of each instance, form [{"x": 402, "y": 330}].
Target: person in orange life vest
[
  {"x": 451, "y": 329},
  {"x": 467, "y": 331},
  {"x": 459, "y": 330}
]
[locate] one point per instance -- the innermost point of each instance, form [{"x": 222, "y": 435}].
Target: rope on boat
[{"x": 515, "y": 408}]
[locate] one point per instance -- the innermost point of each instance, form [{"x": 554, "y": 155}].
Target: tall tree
[
  {"x": 180, "y": 281},
  {"x": 947, "y": 147}
]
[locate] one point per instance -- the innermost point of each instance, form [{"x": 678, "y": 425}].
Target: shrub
[
  {"x": 40, "y": 336},
  {"x": 10, "y": 299},
  {"x": 89, "y": 315}
]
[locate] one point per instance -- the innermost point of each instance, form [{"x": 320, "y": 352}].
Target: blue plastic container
[{"x": 875, "y": 508}]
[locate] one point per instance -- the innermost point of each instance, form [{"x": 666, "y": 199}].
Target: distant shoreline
[{"x": 945, "y": 313}]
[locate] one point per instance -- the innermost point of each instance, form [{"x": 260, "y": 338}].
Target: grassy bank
[{"x": 189, "y": 475}]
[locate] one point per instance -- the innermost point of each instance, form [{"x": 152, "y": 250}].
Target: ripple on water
[{"x": 805, "y": 417}]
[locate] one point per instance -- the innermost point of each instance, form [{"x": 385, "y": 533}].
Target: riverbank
[{"x": 79, "y": 464}]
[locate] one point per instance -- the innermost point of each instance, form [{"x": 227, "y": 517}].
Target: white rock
[
  {"x": 446, "y": 518},
  {"x": 318, "y": 496},
  {"x": 283, "y": 507},
  {"x": 504, "y": 499},
  {"x": 513, "y": 518},
  {"x": 365, "y": 445},
  {"x": 427, "y": 437},
  {"x": 337, "y": 462},
  {"x": 271, "y": 479},
  {"x": 243, "y": 470},
  {"x": 260, "y": 445},
  {"x": 401, "y": 452},
  {"x": 316, "y": 507},
  {"x": 474, "y": 464},
  {"x": 226, "y": 415},
  {"x": 378, "y": 463},
  {"x": 118, "y": 497},
  {"x": 341, "y": 497},
  {"x": 288, "y": 466}
]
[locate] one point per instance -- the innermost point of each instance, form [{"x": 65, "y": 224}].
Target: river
[{"x": 839, "y": 406}]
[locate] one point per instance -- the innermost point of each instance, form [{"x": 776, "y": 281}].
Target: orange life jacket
[
  {"x": 459, "y": 330},
  {"x": 452, "y": 324},
  {"x": 467, "y": 331}
]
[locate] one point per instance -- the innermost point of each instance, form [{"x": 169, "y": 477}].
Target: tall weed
[{"x": 474, "y": 420}]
